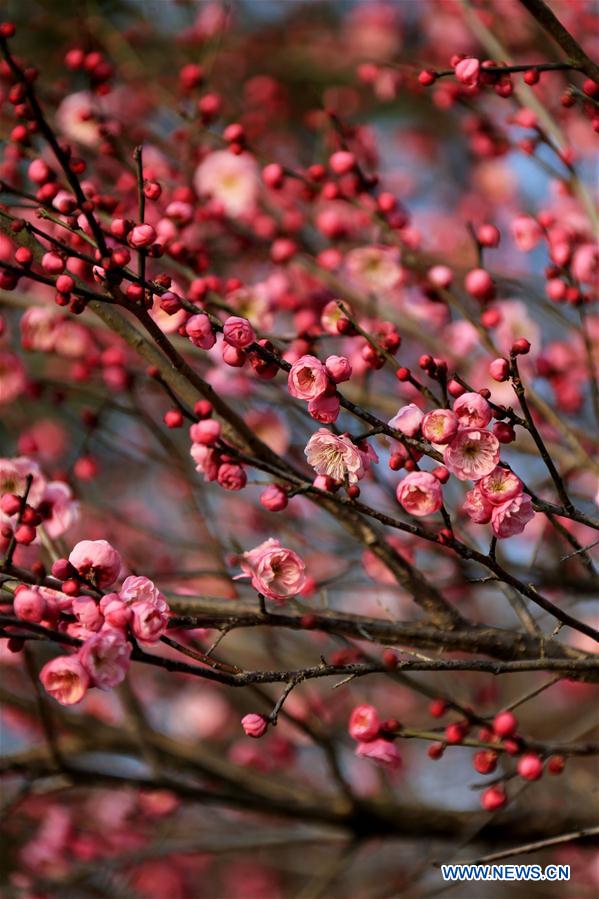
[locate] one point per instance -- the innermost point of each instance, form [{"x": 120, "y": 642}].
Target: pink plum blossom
[
  {"x": 420, "y": 493},
  {"x": 275, "y": 571},
  {"x": 472, "y": 410},
  {"x": 500, "y": 486},
  {"x": 512, "y": 516},
  {"x": 476, "y": 506},
  {"x": 65, "y": 679},
  {"x": 96, "y": 561},
  {"x": 472, "y": 454},
  {"x": 106, "y": 656},
  {"x": 364, "y": 723},
  {"x": 407, "y": 420},
  {"x": 308, "y": 378},
  {"x": 382, "y": 752},
  {"x": 231, "y": 180},
  {"x": 440, "y": 426},
  {"x": 335, "y": 455}
]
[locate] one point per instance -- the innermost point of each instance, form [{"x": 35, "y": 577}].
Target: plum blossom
[
  {"x": 231, "y": 180},
  {"x": 13, "y": 478},
  {"x": 106, "y": 656},
  {"x": 364, "y": 723},
  {"x": 308, "y": 378},
  {"x": 512, "y": 516},
  {"x": 58, "y": 509},
  {"x": 275, "y": 571},
  {"x": 440, "y": 426},
  {"x": 65, "y": 679},
  {"x": 500, "y": 486},
  {"x": 374, "y": 268},
  {"x": 420, "y": 493},
  {"x": 472, "y": 411},
  {"x": 382, "y": 752},
  {"x": 476, "y": 506},
  {"x": 336, "y": 456},
  {"x": 407, "y": 420},
  {"x": 472, "y": 454},
  {"x": 96, "y": 561}
]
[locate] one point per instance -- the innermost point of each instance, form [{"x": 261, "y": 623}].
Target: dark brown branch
[{"x": 552, "y": 25}]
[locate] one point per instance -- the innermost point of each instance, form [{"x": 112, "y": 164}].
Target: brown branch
[{"x": 552, "y": 25}]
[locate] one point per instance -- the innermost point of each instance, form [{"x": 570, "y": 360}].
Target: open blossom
[
  {"x": 206, "y": 460},
  {"x": 500, "y": 486},
  {"x": 142, "y": 589},
  {"x": 88, "y": 613},
  {"x": 440, "y": 426},
  {"x": 472, "y": 454},
  {"x": 407, "y": 420},
  {"x": 364, "y": 723},
  {"x": 308, "y": 378},
  {"x": 275, "y": 571},
  {"x": 512, "y": 516},
  {"x": 148, "y": 622},
  {"x": 65, "y": 679},
  {"x": 383, "y": 752},
  {"x": 231, "y": 180},
  {"x": 325, "y": 408},
  {"x": 476, "y": 506},
  {"x": 472, "y": 410},
  {"x": 420, "y": 493},
  {"x": 13, "y": 478},
  {"x": 335, "y": 456},
  {"x": 106, "y": 657},
  {"x": 96, "y": 561},
  {"x": 374, "y": 268},
  {"x": 58, "y": 509}
]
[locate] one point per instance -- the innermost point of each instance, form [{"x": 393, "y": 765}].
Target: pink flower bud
[
  {"x": 10, "y": 503},
  {"x": 530, "y": 766},
  {"x": 440, "y": 276},
  {"x": 479, "y": 284},
  {"x": 200, "y": 332},
  {"x": 96, "y": 561},
  {"x": 254, "y": 725},
  {"x": 116, "y": 612},
  {"x": 274, "y": 498},
  {"x": 39, "y": 172},
  {"x": 52, "y": 263},
  {"x": 65, "y": 679},
  {"x": 29, "y": 605},
  {"x": 273, "y": 175},
  {"x": 339, "y": 368},
  {"x": 206, "y": 432},
  {"x": 499, "y": 369},
  {"x": 238, "y": 332},
  {"x": 408, "y": 420},
  {"x": 364, "y": 723},
  {"x": 342, "y": 162},
  {"x": 231, "y": 476},
  {"x": 467, "y": 71},
  {"x": 141, "y": 236}
]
